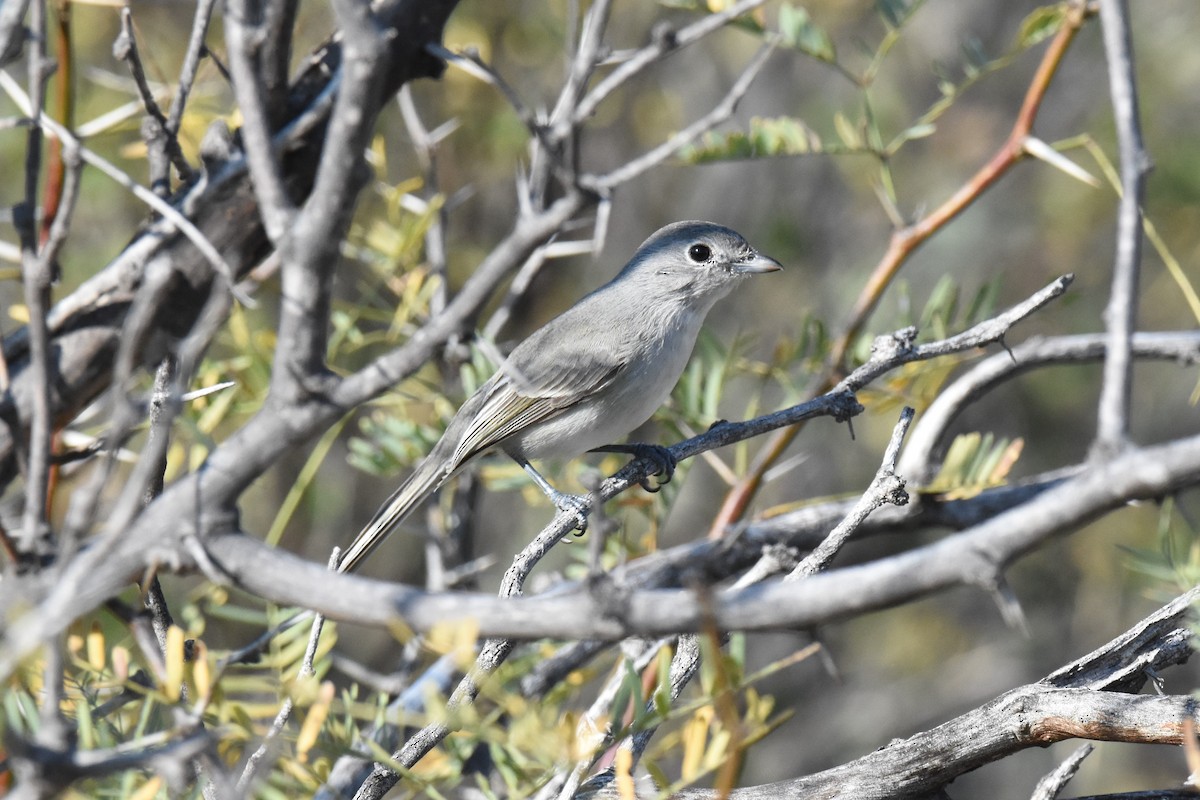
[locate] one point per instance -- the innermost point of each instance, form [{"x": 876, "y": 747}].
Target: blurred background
[{"x": 820, "y": 214}]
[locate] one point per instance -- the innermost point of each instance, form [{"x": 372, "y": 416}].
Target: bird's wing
[{"x": 531, "y": 388}]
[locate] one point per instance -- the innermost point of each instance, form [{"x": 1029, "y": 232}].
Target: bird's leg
[
  {"x": 656, "y": 454},
  {"x": 577, "y": 505}
]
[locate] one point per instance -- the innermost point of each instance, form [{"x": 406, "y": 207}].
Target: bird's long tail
[{"x": 429, "y": 476}]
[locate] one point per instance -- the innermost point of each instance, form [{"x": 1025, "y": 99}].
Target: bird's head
[{"x": 696, "y": 260}]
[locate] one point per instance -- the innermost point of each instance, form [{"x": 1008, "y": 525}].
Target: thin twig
[
  {"x": 35, "y": 274},
  {"x": 517, "y": 290},
  {"x": 56, "y": 236},
  {"x": 721, "y": 112},
  {"x": 125, "y": 49},
  {"x": 285, "y": 709},
  {"x": 244, "y": 46},
  {"x": 55, "y": 168},
  {"x": 1120, "y": 317},
  {"x": 886, "y": 488},
  {"x": 918, "y": 463},
  {"x": 172, "y": 215},
  {"x": 187, "y": 73},
  {"x": 563, "y": 153},
  {"x": 425, "y": 144},
  {"x": 154, "y": 599},
  {"x": 1050, "y": 786},
  {"x": 664, "y": 43},
  {"x": 473, "y": 64}
]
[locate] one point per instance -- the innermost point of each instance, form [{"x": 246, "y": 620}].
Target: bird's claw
[
  {"x": 575, "y": 505},
  {"x": 663, "y": 461}
]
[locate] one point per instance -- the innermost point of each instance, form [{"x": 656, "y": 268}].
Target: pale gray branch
[
  {"x": 664, "y": 43},
  {"x": 1061, "y": 706},
  {"x": 918, "y": 460},
  {"x": 974, "y": 557},
  {"x": 887, "y": 488},
  {"x": 244, "y": 42},
  {"x": 1120, "y": 316},
  {"x": 720, "y": 112}
]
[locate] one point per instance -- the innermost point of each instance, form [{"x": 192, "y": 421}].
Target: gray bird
[{"x": 589, "y": 376}]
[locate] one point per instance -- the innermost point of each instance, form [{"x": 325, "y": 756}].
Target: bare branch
[
  {"x": 309, "y": 252},
  {"x": 1051, "y": 786},
  {"x": 720, "y": 112},
  {"x": 886, "y": 349},
  {"x": 886, "y": 488},
  {"x": 1034, "y": 715},
  {"x": 36, "y": 277},
  {"x": 917, "y": 463},
  {"x": 243, "y": 35},
  {"x": 187, "y": 72},
  {"x": 974, "y": 557},
  {"x": 125, "y": 49},
  {"x": 664, "y": 43},
  {"x": 1120, "y": 317}
]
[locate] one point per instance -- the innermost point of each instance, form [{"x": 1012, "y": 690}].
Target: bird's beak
[{"x": 755, "y": 264}]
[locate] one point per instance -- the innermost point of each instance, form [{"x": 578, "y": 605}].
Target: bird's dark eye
[{"x": 699, "y": 253}]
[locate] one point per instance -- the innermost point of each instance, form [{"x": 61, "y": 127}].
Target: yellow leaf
[
  {"x": 201, "y": 673},
  {"x": 624, "y": 766},
  {"x": 847, "y": 132},
  {"x": 174, "y": 659},
  {"x": 1006, "y": 462},
  {"x": 148, "y": 790},
  {"x": 95, "y": 647},
  {"x": 120, "y": 661},
  {"x": 19, "y": 313},
  {"x": 693, "y": 737},
  {"x": 457, "y": 638},
  {"x": 313, "y": 721}
]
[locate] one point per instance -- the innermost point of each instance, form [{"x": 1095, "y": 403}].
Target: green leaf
[
  {"x": 918, "y": 131},
  {"x": 895, "y": 12},
  {"x": 1040, "y": 24},
  {"x": 781, "y": 136},
  {"x": 847, "y": 132},
  {"x": 983, "y": 305},
  {"x": 798, "y": 31},
  {"x": 975, "y": 462},
  {"x": 977, "y": 60},
  {"x": 941, "y": 308},
  {"x": 630, "y": 684}
]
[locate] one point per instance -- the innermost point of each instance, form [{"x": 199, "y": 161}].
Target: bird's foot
[
  {"x": 575, "y": 505},
  {"x": 660, "y": 457},
  {"x": 663, "y": 461}
]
